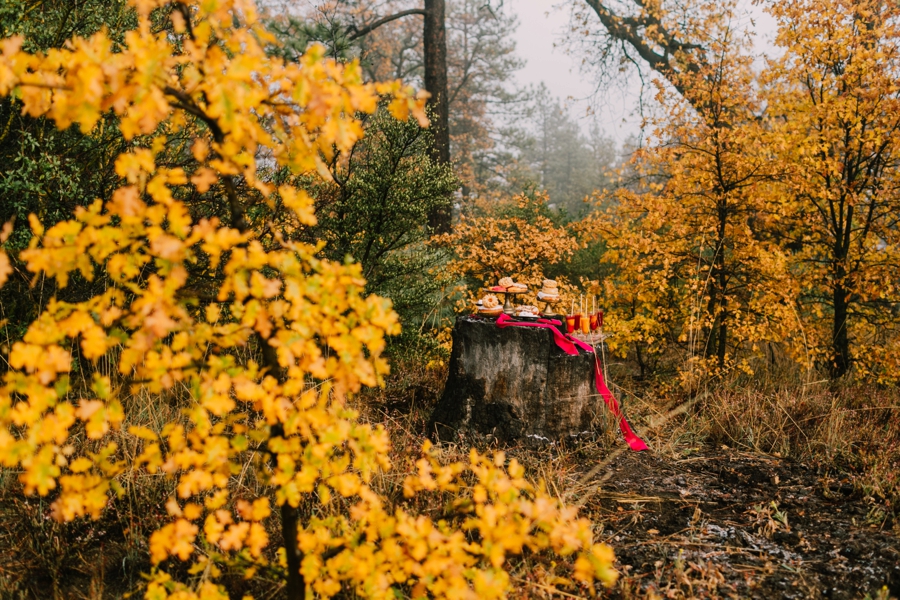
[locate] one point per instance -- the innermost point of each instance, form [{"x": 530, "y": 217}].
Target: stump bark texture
[{"x": 513, "y": 383}]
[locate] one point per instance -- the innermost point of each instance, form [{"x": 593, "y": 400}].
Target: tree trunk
[
  {"x": 435, "y": 43},
  {"x": 723, "y": 315},
  {"x": 514, "y": 383},
  {"x": 295, "y": 585},
  {"x": 840, "y": 360},
  {"x": 723, "y": 339},
  {"x": 718, "y": 304}
]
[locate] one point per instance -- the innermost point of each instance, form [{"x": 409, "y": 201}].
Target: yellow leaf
[{"x": 80, "y": 465}]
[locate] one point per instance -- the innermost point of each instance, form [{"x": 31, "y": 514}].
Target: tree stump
[{"x": 514, "y": 383}]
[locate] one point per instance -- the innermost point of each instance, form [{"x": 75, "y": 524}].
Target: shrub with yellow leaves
[
  {"x": 514, "y": 238},
  {"x": 317, "y": 337}
]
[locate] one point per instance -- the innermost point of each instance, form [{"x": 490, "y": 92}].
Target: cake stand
[
  {"x": 508, "y": 308},
  {"x": 548, "y": 308}
]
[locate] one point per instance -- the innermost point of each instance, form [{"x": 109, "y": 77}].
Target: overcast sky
[{"x": 540, "y": 25}]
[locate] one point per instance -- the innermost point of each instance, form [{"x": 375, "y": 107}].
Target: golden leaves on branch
[
  {"x": 515, "y": 239},
  {"x": 210, "y": 81}
]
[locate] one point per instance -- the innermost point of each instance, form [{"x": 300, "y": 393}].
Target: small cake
[
  {"x": 506, "y": 282},
  {"x": 490, "y": 301},
  {"x": 549, "y": 290},
  {"x": 527, "y": 311}
]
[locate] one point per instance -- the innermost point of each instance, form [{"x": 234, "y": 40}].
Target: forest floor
[
  {"x": 725, "y": 523},
  {"x": 693, "y": 518}
]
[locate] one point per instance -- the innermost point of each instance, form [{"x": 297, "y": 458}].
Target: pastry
[
  {"x": 506, "y": 282},
  {"x": 489, "y": 306},
  {"x": 549, "y": 290},
  {"x": 490, "y": 312},
  {"x": 527, "y": 311},
  {"x": 517, "y": 288}
]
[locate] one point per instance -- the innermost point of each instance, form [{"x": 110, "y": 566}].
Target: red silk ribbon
[
  {"x": 570, "y": 345},
  {"x": 565, "y": 344},
  {"x": 631, "y": 438}
]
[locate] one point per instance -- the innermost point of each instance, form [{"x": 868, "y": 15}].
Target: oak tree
[{"x": 834, "y": 106}]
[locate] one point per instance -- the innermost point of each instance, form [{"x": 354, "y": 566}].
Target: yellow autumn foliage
[
  {"x": 316, "y": 336},
  {"x": 758, "y": 224},
  {"x": 514, "y": 239}
]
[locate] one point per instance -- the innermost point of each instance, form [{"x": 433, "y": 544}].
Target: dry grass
[
  {"x": 853, "y": 427},
  {"x": 87, "y": 559}
]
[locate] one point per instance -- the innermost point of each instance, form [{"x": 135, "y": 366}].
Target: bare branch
[{"x": 358, "y": 33}]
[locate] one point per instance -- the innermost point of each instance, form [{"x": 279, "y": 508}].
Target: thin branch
[{"x": 358, "y": 33}]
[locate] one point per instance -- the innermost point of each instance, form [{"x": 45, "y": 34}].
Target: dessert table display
[{"x": 520, "y": 374}]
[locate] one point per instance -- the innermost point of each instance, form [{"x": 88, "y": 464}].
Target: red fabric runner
[
  {"x": 565, "y": 344},
  {"x": 631, "y": 438},
  {"x": 570, "y": 346}
]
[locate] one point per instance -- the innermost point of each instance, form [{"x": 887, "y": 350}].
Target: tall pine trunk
[{"x": 435, "y": 42}]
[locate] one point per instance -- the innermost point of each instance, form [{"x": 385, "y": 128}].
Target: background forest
[{"x": 236, "y": 239}]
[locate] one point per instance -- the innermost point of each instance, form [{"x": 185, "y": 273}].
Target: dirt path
[{"x": 730, "y": 524}]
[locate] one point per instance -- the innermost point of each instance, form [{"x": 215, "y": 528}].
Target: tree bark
[
  {"x": 296, "y": 585},
  {"x": 633, "y": 32},
  {"x": 840, "y": 361},
  {"x": 435, "y": 50},
  {"x": 354, "y": 34},
  {"x": 722, "y": 316},
  {"x": 434, "y": 38},
  {"x": 513, "y": 383}
]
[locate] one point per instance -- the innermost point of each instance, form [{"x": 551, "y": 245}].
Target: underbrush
[
  {"x": 851, "y": 430},
  {"x": 107, "y": 558}
]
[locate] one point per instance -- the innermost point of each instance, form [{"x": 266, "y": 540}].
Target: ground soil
[{"x": 724, "y": 523}]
